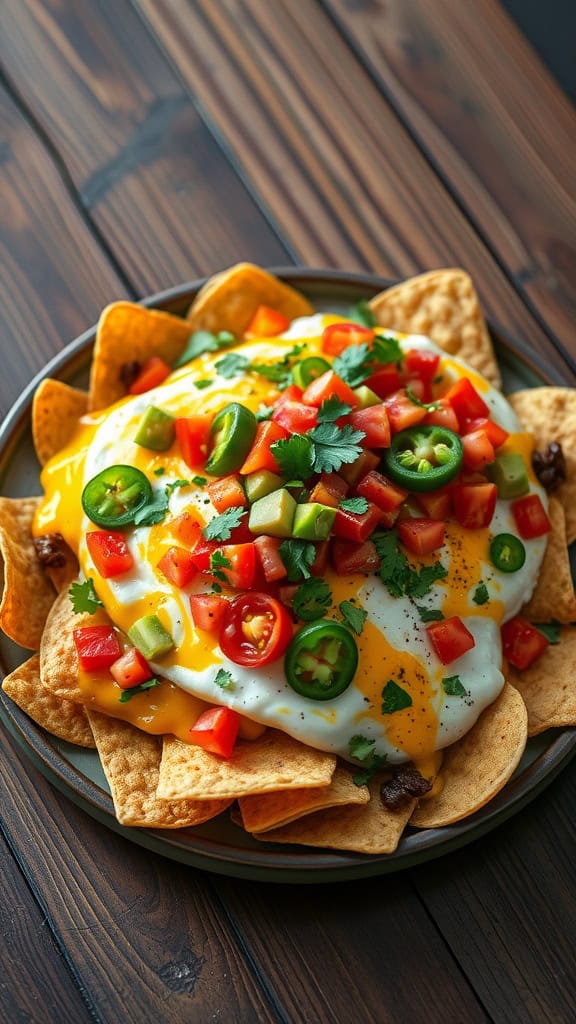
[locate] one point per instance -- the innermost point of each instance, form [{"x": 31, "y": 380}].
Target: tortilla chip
[
  {"x": 548, "y": 687},
  {"x": 128, "y": 332},
  {"x": 444, "y": 306},
  {"x": 477, "y": 767},
  {"x": 271, "y": 810},
  {"x": 56, "y": 410},
  {"x": 58, "y": 658},
  {"x": 274, "y": 761},
  {"x": 550, "y": 415},
  {"x": 28, "y": 594},
  {"x": 228, "y": 301},
  {"x": 131, "y": 761},
  {"x": 60, "y": 717},
  {"x": 368, "y": 828},
  {"x": 553, "y": 597}
]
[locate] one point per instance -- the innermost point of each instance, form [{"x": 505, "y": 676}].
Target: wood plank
[
  {"x": 496, "y": 125},
  {"x": 151, "y": 175},
  {"x": 344, "y": 179}
]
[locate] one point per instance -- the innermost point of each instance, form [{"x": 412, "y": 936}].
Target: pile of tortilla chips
[{"x": 278, "y": 789}]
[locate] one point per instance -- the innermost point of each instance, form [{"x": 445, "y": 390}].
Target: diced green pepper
[
  {"x": 308, "y": 370},
  {"x": 150, "y": 637},
  {"x": 313, "y": 521},
  {"x": 510, "y": 475},
  {"x": 258, "y": 485},
  {"x": 366, "y": 397},
  {"x": 273, "y": 514},
  {"x": 156, "y": 430}
]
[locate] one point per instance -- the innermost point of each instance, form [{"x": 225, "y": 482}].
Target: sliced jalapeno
[
  {"x": 424, "y": 458},
  {"x": 114, "y": 496},
  {"x": 308, "y": 370},
  {"x": 507, "y": 552},
  {"x": 321, "y": 660},
  {"x": 231, "y": 436}
]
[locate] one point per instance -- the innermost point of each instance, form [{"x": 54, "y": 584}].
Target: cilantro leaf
[
  {"x": 353, "y": 616},
  {"x": 127, "y": 695},
  {"x": 551, "y": 630},
  {"x": 360, "y": 313},
  {"x": 361, "y": 747},
  {"x": 160, "y": 471},
  {"x": 153, "y": 512},
  {"x": 298, "y": 556},
  {"x": 224, "y": 679},
  {"x": 170, "y": 488},
  {"x": 453, "y": 687},
  {"x": 332, "y": 408},
  {"x": 335, "y": 446},
  {"x": 220, "y": 528},
  {"x": 200, "y": 481},
  {"x": 231, "y": 365},
  {"x": 353, "y": 365},
  {"x": 386, "y": 349},
  {"x": 277, "y": 373},
  {"x": 295, "y": 456},
  {"x": 84, "y": 598},
  {"x": 357, "y": 505},
  {"x": 218, "y": 562},
  {"x": 312, "y": 599},
  {"x": 203, "y": 341},
  {"x": 201, "y": 384},
  {"x": 419, "y": 583},
  {"x": 429, "y": 614},
  {"x": 394, "y": 698},
  {"x": 481, "y": 595},
  {"x": 394, "y": 564},
  {"x": 429, "y": 406}
]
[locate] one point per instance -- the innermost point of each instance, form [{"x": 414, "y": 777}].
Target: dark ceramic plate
[{"x": 219, "y": 845}]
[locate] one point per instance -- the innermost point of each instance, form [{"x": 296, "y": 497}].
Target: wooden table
[{"x": 147, "y": 143}]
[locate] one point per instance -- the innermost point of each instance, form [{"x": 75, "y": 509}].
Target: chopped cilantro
[
  {"x": 264, "y": 413},
  {"x": 84, "y": 598},
  {"x": 231, "y": 365},
  {"x": 429, "y": 614},
  {"x": 386, "y": 349},
  {"x": 335, "y": 446},
  {"x": 127, "y": 695},
  {"x": 295, "y": 456},
  {"x": 278, "y": 373},
  {"x": 218, "y": 562},
  {"x": 481, "y": 595},
  {"x": 220, "y": 528},
  {"x": 153, "y": 512},
  {"x": 312, "y": 599},
  {"x": 362, "y": 749},
  {"x": 360, "y": 313},
  {"x": 298, "y": 556},
  {"x": 394, "y": 698},
  {"x": 395, "y": 572},
  {"x": 353, "y": 616},
  {"x": 224, "y": 679},
  {"x": 353, "y": 365},
  {"x": 170, "y": 488},
  {"x": 332, "y": 408},
  {"x": 203, "y": 341},
  {"x": 453, "y": 687},
  {"x": 160, "y": 471},
  {"x": 200, "y": 481},
  {"x": 357, "y": 505},
  {"x": 551, "y": 630},
  {"x": 420, "y": 583},
  {"x": 429, "y": 406},
  {"x": 201, "y": 384}
]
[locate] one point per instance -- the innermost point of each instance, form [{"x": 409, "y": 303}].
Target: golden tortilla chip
[
  {"x": 477, "y": 767},
  {"x": 131, "y": 761},
  {"x": 60, "y": 717},
  {"x": 444, "y": 306},
  {"x": 548, "y": 687},
  {"x": 271, "y": 810},
  {"x": 368, "y": 828},
  {"x": 228, "y": 301},
  {"x": 56, "y": 410},
  {"x": 553, "y": 597},
  {"x": 550, "y": 415},
  {"x": 274, "y": 761},
  {"x": 28, "y": 594},
  {"x": 58, "y": 658},
  {"x": 128, "y": 332}
]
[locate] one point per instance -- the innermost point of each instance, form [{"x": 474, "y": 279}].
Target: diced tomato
[
  {"x": 192, "y": 434},
  {"x": 320, "y": 563},
  {"x": 202, "y": 552},
  {"x": 466, "y": 401},
  {"x": 530, "y": 517},
  {"x": 419, "y": 362},
  {"x": 131, "y": 669},
  {"x": 377, "y": 489},
  {"x": 325, "y": 387},
  {"x": 216, "y": 731},
  {"x": 267, "y": 323},
  {"x": 295, "y": 417},
  {"x": 97, "y": 647},
  {"x": 354, "y": 471},
  {"x": 478, "y": 450},
  {"x": 495, "y": 433},
  {"x": 353, "y": 526},
  {"x": 421, "y": 536},
  {"x": 389, "y": 519},
  {"x": 290, "y": 394},
  {"x": 443, "y": 416},
  {"x": 402, "y": 411},
  {"x": 227, "y": 492},
  {"x": 186, "y": 528},
  {"x": 109, "y": 552},
  {"x": 337, "y": 337},
  {"x": 522, "y": 643},
  {"x": 260, "y": 457},
  {"x": 450, "y": 639},
  {"x": 242, "y": 557},
  {"x": 268, "y": 552},
  {"x": 329, "y": 490},
  {"x": 436, "y": 504},
  {"x": 151, "y": 375},
  {"x": 208, "y": 611},
  {"x": 349, "y": 557},
  {"x": 474, "y": 504},
  {"x": 384, "y": 381},
  {"x": 286, "y": 594},
  {"x": 373, "y": 421},
  {"x": 178, "y": 566},
  {"x": 241, "y": 534}
]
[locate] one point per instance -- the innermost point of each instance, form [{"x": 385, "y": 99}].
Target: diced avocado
[
  {"x": 366, "y": 397},
  {"x": 273, "y": 514},
  {"x": 510, "y": 475},
  {"x": 156, "y": 430},
  {"x": 150, "y": 637},
  {"x": 258, "y": 485},
  {"x": 313, "y": 521}
]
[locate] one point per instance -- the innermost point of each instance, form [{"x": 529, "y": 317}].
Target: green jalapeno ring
[
  {"x": 321, "y": 660},
  {"x": 308, "y": 370},
  {"x": 507, "y": 552},
  {"x": 424, "y": 458},
  {"x": 232, "y": 433},
  {"x": 113, "y": 497}
]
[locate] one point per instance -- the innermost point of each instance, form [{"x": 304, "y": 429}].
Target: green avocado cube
[
  {"x": 510, "y": 475},
  {"x": 258, "y": 485},
  {"x": 313, "y": 521},
  {"x": 273, "y": 514},
  {"x": 366, "y": 397},
  {"x": 156, "y": 430},
  {"x": 150, "y": 637}
]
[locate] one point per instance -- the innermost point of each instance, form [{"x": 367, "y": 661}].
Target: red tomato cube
[{"x": 450, "y": 639}]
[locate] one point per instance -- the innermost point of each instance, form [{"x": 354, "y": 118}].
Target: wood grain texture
[
  {"x": 346, "y": 182},
  {"x": 495, "y": 123},
  {"x": 153, "y": 178}
]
